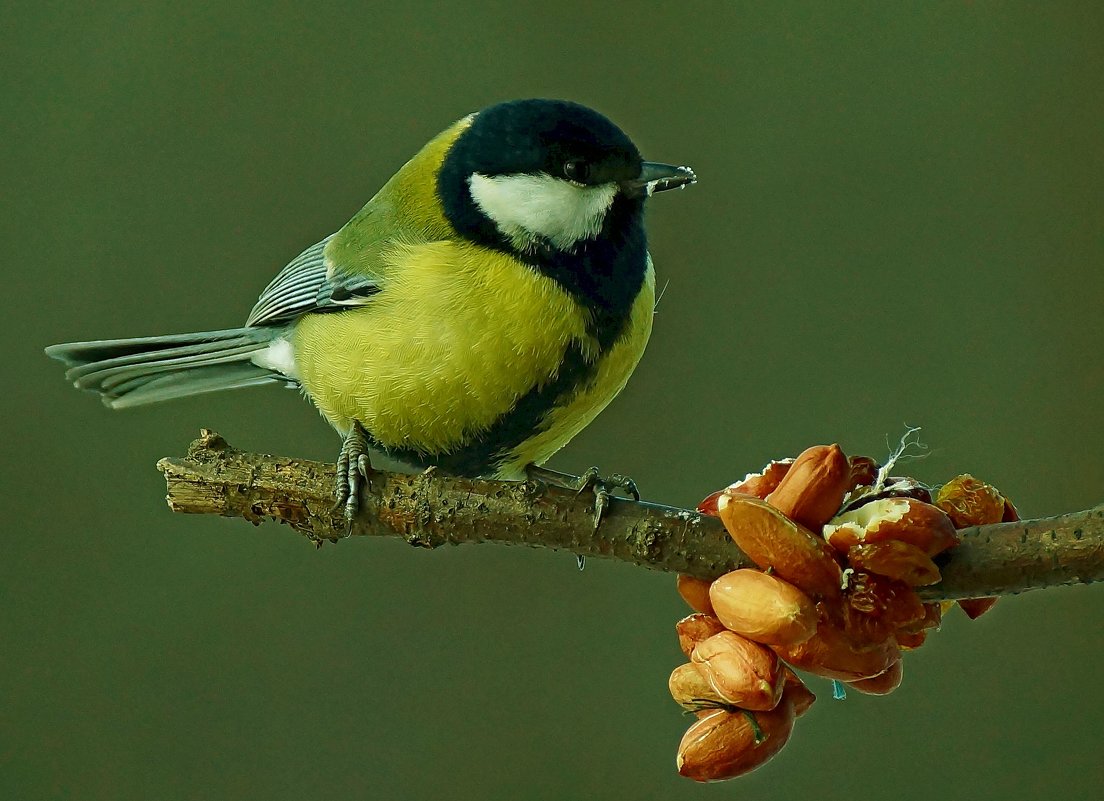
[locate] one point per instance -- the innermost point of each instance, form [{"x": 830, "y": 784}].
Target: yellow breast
[
  {"x": 456, "y": 335},
  {"x": 450, "y": 344}
]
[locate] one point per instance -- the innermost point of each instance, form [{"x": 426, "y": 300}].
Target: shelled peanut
[{"x": 839, "y": 548}]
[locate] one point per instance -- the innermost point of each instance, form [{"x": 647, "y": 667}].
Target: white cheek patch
[{"x": 524, "y": 207}]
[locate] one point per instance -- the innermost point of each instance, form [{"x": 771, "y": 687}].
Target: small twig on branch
[{"x": 429, "y": 510}]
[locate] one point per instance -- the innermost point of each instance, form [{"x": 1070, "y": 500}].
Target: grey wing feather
[
  {"x": 307, "y": 284},
  {"x": 137, "y": 371},
  {"x": 294, "y": 289}
]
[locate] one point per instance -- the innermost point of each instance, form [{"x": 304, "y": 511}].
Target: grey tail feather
[{"x": 134, "y": 372}]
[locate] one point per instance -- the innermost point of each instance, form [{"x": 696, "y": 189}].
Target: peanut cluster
[{"x": 841, "y": 545}]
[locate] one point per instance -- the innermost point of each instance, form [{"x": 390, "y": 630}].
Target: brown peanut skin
[
  {"x": 695, "y": 592},
  {"x": 877, "y": 607},
  {"x": 759, "y": 485},
  {"x": 812, "y": 490},
  {"x": 896, "y": 560},
  {"x": 744, "y": 673},
  {"x": 708, "y": 504},
  {"x": 722, "y": 745},
  {"x": 970, "y": 502},
  {"x": 924, "y": 525},
  {"x": 910, "y": 640},
  {"x": 693, "y": 629},
  {"x": 864, "y": 471},
  {"x": 763, "y": 608},
  {"x": 976, "y": 607},
  {"x": 773, "y": 541},
  {"x": 691, "y": 689},
  {"x": 796, "y": 691},
  {"x": 933, "y": 616},
  {"x": 765, "y": 481},
  {"x": 882, "y": 684},
  {"x": 831, "y": 654}
]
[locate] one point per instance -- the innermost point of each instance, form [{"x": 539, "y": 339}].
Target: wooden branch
[{"x": 429, "y": 510}]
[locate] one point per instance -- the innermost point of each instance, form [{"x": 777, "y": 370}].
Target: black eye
[{"x": 576, "y": 170}]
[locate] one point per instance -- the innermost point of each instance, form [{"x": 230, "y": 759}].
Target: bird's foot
[
  {"x": 354, "y": 470},
  {"x": 592, "y": 480}
]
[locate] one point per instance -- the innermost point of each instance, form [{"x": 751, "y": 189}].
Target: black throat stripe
[{"x": 604, "y": 275}]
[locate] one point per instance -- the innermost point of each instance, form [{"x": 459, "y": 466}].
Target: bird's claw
[
  {"x": 602, "y": 487},
  {"x": 592, "y": 480},
  {"x": 354, "y": 470}
]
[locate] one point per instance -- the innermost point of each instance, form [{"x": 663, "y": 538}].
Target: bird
[{"x": 476, "y": 314}]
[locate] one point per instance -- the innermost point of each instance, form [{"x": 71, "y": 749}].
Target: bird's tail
[{"x": 134, "y": 372}]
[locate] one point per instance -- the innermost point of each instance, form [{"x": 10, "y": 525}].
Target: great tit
[{"x": 478, "y": 312}]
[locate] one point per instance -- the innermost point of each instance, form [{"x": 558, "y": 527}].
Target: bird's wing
[{"x": 308, "y": 284}]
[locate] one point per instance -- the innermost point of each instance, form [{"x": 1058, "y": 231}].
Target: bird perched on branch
[{"x": 478, "y": 312}]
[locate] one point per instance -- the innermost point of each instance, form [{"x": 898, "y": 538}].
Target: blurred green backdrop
[{"x": 899, "y": 220}]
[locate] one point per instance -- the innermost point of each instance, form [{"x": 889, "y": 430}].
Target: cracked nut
[{"x": 905, "y": 519}]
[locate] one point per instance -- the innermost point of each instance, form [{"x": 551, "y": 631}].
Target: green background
[{"x": 899, "y": 220}]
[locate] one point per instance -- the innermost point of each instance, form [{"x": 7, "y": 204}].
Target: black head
[
  {"x": 545, "y": 173},
  {"x": 562, "y": 188},
  {"x": 551, "y": 137}
]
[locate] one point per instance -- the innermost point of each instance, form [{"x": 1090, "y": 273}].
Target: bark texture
[{"x": 429, "y": 510}]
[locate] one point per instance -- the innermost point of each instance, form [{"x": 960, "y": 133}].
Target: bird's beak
[{"x": 655, "y": 177}]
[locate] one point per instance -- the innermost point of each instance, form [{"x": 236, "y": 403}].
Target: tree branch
[{"x": 428, "y": 510}]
